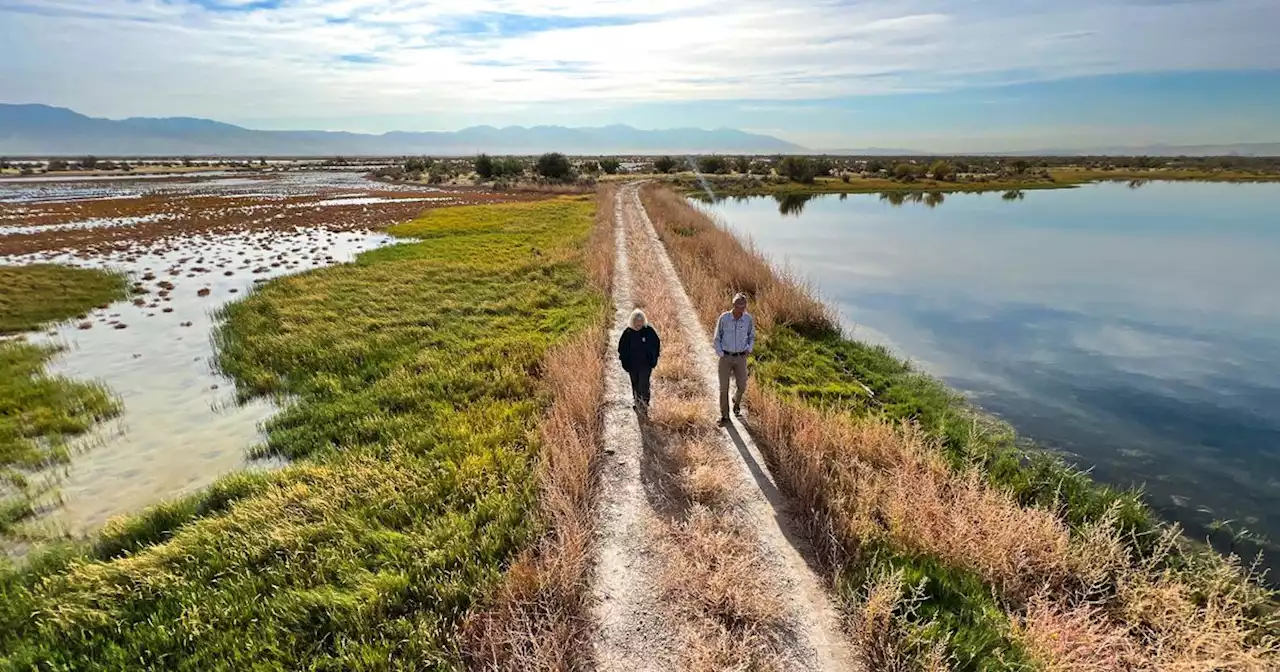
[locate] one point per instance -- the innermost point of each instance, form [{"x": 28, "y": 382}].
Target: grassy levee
[
  {"x": 423, "y": 382},
  {"x": 1058, "y": 178},
  {"x": 742, "y": 185},
  {"x": 1175, "y": 174},
  {"x": 38, "y": 412},
  {"x": 951, "y": 546}
]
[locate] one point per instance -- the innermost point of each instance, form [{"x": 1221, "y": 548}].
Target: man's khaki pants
[{"x": 737, "y": 365}]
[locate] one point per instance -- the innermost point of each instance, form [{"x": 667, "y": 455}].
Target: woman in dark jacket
[{"x": 638, "y": 350}]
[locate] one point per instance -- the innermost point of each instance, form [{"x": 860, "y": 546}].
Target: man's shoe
[
  {"x": 724, "y": 422},
  {"x": 737, "y": 411}
]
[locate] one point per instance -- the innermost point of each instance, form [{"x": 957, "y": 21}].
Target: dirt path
[
  {"x": 633, "y": 634},
  {"x": 640, "y": 624}
]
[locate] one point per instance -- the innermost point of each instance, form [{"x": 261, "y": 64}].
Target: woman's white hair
[{"x": 637, "y": 313}]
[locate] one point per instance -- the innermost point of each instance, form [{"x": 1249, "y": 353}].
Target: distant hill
[
  {"x": 1240, "y": 149},
  {"x": 874, "y": 151},
  {"x": 45, "y": 130}
]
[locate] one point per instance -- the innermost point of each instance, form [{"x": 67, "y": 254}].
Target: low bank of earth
[
  {"x": 1058, "y": 178},
  {"x": 413, "y": 380}
]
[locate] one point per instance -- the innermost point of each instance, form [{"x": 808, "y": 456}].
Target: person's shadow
[{"x": 800, "y": 528}]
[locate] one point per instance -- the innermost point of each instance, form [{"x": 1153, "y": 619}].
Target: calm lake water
[{"x": 1136, "y": 329}]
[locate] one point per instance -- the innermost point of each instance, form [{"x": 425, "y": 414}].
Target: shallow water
[
  {"x": 1137, "y": 330},
  {"x": 181, "y": 427},
  {"x": 290, "y": 183}
]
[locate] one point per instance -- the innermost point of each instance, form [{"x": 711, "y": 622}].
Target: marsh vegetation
[{"x": 414, "y": 435}]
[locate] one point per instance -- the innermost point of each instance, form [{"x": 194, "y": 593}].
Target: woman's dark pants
[{"x": 640, "y": 385}]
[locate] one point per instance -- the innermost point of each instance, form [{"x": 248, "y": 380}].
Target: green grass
[
  {"x": 32, "y": 295},
  {"x": 1179, "y": 174},
  {"x": 943, "y": 604},
  {"x": 38, "y": 412},
  {"x": 412, "y": 376}
]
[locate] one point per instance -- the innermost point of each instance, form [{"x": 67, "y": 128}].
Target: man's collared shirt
[{"x": 738, "y": 336}]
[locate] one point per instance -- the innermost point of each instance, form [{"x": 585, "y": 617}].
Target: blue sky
[{"x": 946, "y": 75}]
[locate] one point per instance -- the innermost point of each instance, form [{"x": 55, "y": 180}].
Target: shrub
[
  {"x": 484, "y": 166},
  {"x": 554, "y": 166},
  {"x": 418, "y": 164},
  {"x": 904, "y": 171},
  {"x": 942, "y": 170},
  {"x": 508, "y": 167},
  {"x": 1020, "y": 166},
  {"x": 56, "y": 165},
  {"x": 717, "y": 165},
  {"x": 797, "y": 169},
  {"x": 590, "y": 166},
  {"x": 609, "y": 165},
  {"x": 664, "y": 164}
]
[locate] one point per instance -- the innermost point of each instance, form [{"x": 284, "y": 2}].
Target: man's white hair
[
  {"x": 637, "y": 313},
  {"x": 740, "y": 296}
]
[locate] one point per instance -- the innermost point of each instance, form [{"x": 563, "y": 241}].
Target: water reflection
[
  {"x": 1137, "y": 330},
  {"x": 930, "y": 199},
  {"x": 792, "y": 204}
]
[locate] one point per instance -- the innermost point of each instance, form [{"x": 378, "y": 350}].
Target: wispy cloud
[{"x": 277, "y": 57}]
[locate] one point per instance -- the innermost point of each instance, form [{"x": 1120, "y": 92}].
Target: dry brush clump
[
  {"x": 1073, "y": 599},
  {"x": 538, "y": 618},
  {"x": 714, "y": 267}
]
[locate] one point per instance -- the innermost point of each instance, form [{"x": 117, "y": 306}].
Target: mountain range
[
  {"x": 40, "y": 130},
  {"x": 1237, "y": 149}
]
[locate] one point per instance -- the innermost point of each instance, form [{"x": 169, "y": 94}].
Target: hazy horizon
[{"x": 927, "y": 75}]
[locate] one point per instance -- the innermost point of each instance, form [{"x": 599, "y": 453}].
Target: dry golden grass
[
  {"x": 1079, "y": 600},
  {"x": 714, "y": 265},
  {"x": 732, "y": 617},
  {"x": 538, "y": 619}
]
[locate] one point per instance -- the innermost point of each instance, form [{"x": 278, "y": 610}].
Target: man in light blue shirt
[{"x": 735, "y": 339}]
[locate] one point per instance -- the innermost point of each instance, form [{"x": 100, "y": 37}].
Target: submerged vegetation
[
  {"x": 417, "y": 379},
  {"x": 953, "y": 547},
  {"x": 39, "y": 412}
]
